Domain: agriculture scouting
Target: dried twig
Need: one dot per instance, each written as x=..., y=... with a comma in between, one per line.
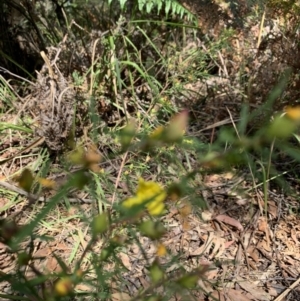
x=31, y=196
x=34, y=144
x=288, y=290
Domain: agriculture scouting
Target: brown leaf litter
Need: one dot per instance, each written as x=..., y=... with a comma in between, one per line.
x=250, y=255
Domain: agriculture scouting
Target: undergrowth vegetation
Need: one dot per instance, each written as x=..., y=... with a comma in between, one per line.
x=132, y=105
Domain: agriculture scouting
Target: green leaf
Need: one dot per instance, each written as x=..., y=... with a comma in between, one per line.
x=122, y=3
x=23, y=258
x=188, y=281
x=281, y=127
x=8, y=230
x=141, y=4
x=168, y=6
x=105, y=253
x=79, y=179
x=156, y=273
x=149, y=6
x=100, y=224
x=5, y=125
x=151, y=229
x=127, y=134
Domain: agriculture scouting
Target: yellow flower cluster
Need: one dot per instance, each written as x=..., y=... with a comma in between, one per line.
x=149, y=193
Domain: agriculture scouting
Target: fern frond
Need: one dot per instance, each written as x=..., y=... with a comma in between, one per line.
x=170, y=6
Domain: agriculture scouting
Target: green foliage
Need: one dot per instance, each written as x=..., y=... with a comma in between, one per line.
x=115, y=228
x=135, y=76
x=168, y=6
x=291, y=7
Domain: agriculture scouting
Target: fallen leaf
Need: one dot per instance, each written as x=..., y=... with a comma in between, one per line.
x=255, y=291
x=219, y=247
x=211, y=274
x=43, y=252
x=262, y=225
x=253, y=253
x=235, y=295
x=84, y=287
x=125, y=260
x=272, y=291
x=294, y=235
x=263, y=245
x=120, y=297
x=229, y=295
x=52, y=265
x=217, y=296
x=206, y=216
x=227, y=244
x=230, y=221
x=205, y=247
x=272, y=209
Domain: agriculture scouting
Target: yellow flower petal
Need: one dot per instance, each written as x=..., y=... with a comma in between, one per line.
x=47, y=183
x=161, y=250
x=128, y=203
x=293, y=113
x=156, y=208
x=149, y=193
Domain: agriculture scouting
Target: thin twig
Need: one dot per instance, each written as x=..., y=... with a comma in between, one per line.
x=119, y=177
x=223, y=63
x=34, y=144
x=261, y=27
x=48, y=63
x=288, y=290
x=233, y=123
x=17, y=76
x=31, y=196
x=216, y=124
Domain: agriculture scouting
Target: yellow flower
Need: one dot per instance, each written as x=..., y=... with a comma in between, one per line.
x=161, y=250
x=63, y=287
x=293, y=113
x=149, y=193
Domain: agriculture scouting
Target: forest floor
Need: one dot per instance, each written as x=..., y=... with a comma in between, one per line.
x=239, y=222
